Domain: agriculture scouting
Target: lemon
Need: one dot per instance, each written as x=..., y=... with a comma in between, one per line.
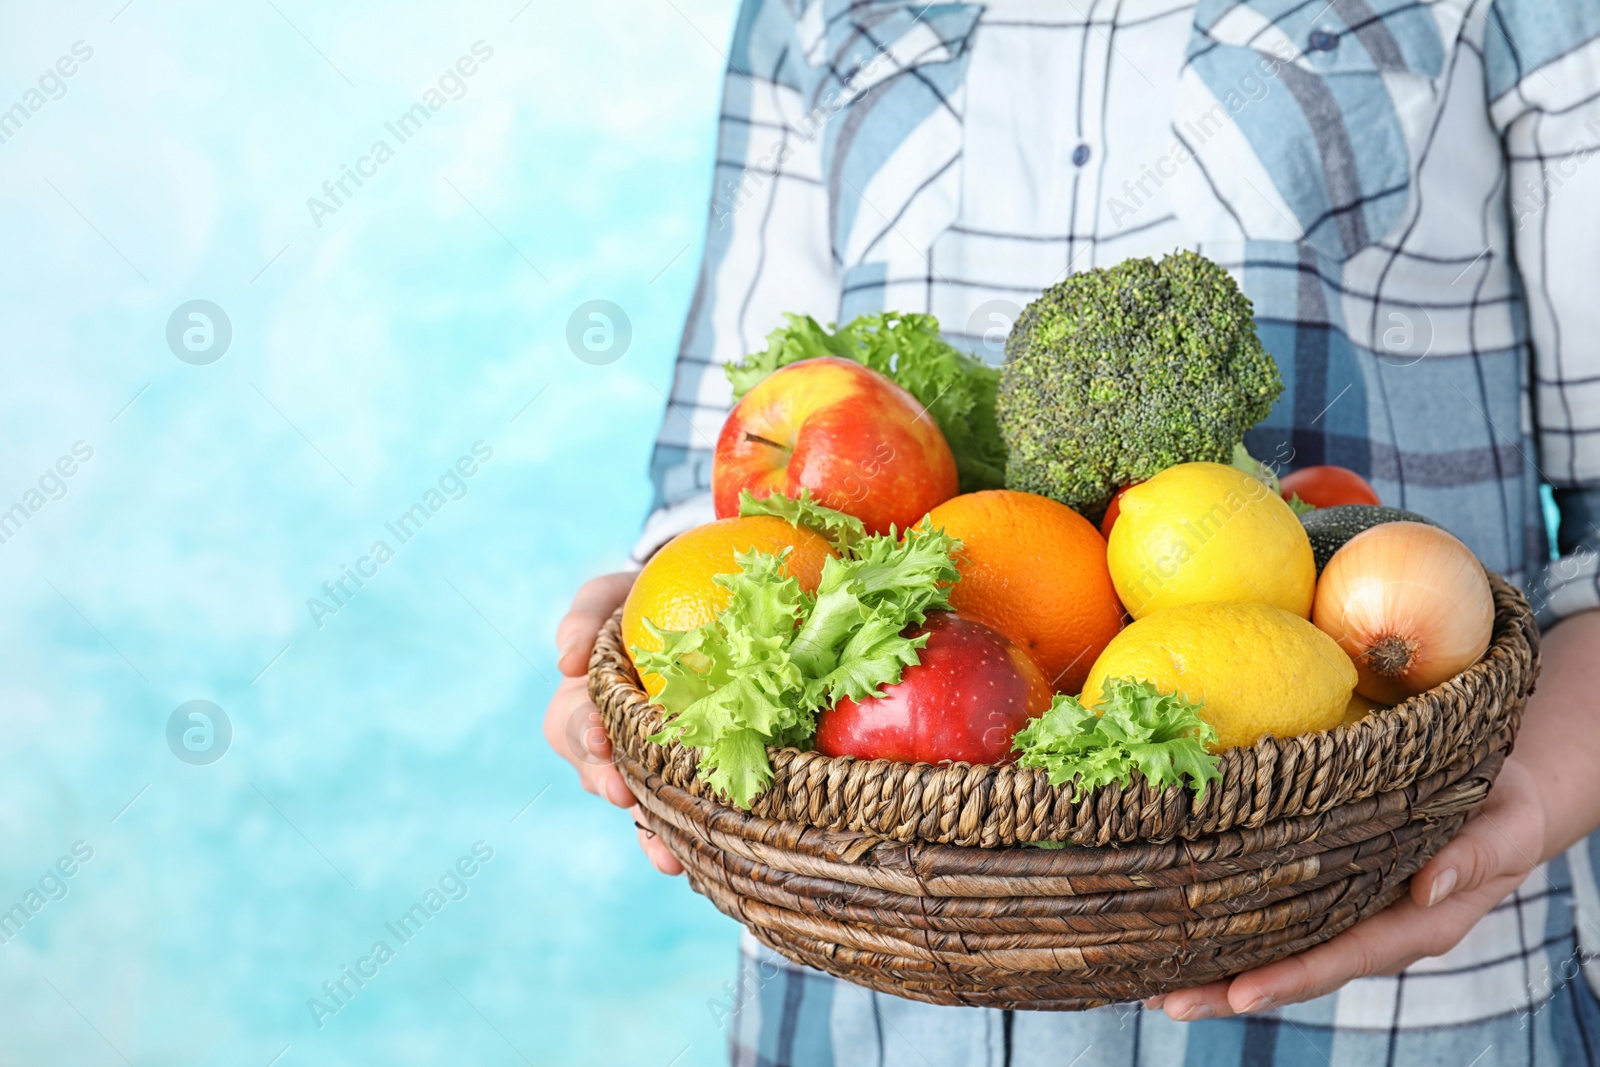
x=1203, y=532
x=1359, y=708
x=1256, y=669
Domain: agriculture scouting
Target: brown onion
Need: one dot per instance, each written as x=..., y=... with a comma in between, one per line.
x=1409, y=603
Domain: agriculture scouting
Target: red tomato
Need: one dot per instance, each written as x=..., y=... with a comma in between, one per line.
x=1327, y=487
x=1112, y=511
x=970, y=693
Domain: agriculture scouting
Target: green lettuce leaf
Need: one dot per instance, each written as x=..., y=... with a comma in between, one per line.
x=1135, y=727
x=758, y=674
x=1298, y=506
x=957, y=390
x=842, y=530
x=1243, y=460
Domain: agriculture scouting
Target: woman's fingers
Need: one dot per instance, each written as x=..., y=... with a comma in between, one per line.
x=654, y=848
x=1207, y=1001
x=572, y=723
x=593, y=604
x=1384, y=944
x=1494, y=852
x=572, y=727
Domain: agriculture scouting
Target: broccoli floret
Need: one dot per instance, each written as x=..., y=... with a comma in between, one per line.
x=1114, y=375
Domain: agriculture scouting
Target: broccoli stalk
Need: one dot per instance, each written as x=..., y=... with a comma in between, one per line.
x=1114, y=375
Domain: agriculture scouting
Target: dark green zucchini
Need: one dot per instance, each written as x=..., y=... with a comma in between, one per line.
x=1330, y=528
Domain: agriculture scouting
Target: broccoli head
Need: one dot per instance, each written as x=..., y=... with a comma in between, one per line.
x=1114, y=375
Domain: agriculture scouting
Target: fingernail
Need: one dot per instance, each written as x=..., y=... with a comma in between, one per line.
x=1258, y=1004
x=1154, y=1002
x=1443, y=885
x=1196, y=1013
x=566, y=650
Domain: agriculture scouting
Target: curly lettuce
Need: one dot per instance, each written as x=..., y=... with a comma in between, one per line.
x=841, y=530
x=1134, y=726
x=760, y=672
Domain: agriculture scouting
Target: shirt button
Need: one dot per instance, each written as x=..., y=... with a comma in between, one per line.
x=1080, y=155
x=1323, y=41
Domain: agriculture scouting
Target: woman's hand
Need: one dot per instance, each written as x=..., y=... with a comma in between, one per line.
x=1497, y=847
x=572, y=722
x=1543, y=801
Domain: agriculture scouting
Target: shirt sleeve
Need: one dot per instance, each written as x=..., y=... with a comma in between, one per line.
x=767, y=252
x=1542, y=62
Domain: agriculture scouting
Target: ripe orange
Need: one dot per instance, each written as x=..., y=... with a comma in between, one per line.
x=1036, y=571
x=675, y=590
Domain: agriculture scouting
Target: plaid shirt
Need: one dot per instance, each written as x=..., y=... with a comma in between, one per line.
x=1402, y=190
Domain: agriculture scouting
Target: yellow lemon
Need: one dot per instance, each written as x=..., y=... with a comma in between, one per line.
x=1359, y=708
x=1256, y=669
x=1201, y=532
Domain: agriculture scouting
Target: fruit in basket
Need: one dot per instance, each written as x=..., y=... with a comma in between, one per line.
x=1208, y=531
x=1359, y=708
x=1410, y=604
x=1114, y=375
x=957, y=389
x=963, y=703
x=1330, y=528
x=677, y=590
x=1327, y=486
x=859, y=442
x=1035, y=570
x=1255, y=669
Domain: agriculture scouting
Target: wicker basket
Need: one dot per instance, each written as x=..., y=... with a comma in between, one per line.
x=908, y=878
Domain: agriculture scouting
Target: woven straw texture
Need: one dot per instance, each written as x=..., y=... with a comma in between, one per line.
x=907, y=878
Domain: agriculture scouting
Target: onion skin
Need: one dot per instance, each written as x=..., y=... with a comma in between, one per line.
x=1410, y=605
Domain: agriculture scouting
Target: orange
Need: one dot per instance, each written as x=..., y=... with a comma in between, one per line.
x=1036, y=571
x=675, y=590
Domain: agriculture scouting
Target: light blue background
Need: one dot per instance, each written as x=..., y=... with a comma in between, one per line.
x=367, y=355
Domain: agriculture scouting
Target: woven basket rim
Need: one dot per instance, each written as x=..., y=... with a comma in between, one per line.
x=1005, y=805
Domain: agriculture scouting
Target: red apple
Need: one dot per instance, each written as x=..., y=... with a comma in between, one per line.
x=858, y=441
x=971, y=692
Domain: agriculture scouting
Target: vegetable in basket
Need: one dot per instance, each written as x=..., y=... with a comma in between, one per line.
x=1114, y=375
x=1133, y=726
x=1330, y=528
x=840, y=530
x=1410, y=604
x=758, y=674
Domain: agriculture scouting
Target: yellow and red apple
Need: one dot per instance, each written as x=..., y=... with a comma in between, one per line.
x=858, y=441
